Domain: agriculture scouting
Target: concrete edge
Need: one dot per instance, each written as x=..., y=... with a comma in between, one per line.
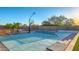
x=72, y=43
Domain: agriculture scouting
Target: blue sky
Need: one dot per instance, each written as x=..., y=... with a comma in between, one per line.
x=22, y=14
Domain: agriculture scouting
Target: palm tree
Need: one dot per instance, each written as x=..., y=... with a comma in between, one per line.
x=17, y=25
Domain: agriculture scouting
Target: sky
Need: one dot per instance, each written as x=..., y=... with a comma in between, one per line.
x=22, y=14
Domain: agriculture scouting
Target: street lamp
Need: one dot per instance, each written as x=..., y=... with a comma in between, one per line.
x=30, y=21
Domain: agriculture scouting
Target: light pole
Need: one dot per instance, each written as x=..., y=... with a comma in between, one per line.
x=30, y=21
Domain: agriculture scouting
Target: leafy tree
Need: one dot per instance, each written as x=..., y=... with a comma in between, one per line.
x=69, y=22
x=45, y=23
x=52, y=20
x=24, y=26
x=12, y=26
x=57, y=20
x=9, y=26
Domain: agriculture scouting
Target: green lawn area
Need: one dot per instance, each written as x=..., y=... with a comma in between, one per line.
x=76, y=47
